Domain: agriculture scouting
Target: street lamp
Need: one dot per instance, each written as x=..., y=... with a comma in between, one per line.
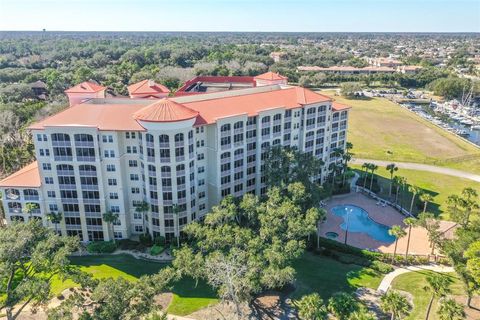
x=348, y=210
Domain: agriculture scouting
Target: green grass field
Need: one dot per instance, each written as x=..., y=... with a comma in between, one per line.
x=314, y=273
x=327, y=276
x=380, y=129
x=414, y=283
x=438, y=185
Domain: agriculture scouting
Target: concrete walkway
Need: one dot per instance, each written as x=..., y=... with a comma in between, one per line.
x=387, y=280
x=422, y=167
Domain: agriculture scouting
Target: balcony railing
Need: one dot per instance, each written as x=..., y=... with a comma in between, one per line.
x=164, y=145
x=180, y=158
x=164, y=160
x=150, y=159
x=89, y=187
x=61, y=143
x=31, y=197
x=89, y=144
x=225, y=133
x=166, y=174
x=150, y=144
x=88, y=173
x=67, y=186
x=85, y=158
x=225, y=160
x=63, y=158
x=226, y=146
x=179, y=143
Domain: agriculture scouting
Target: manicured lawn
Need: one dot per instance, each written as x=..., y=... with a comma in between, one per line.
x=326, y=276
x=438, y=185
x=380, y=129
x=186, y=298
x=414, y=283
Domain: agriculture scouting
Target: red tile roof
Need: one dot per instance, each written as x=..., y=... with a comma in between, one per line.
x=339, y=106
x=182, y=91
x=147, y=87
x=86, y=87
x=122, y=117
x=106, y=117
x=165, y=110
x=26, y=177
x=271, y=76
x=252, y=104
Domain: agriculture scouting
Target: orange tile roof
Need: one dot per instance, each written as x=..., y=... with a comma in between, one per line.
x=122, y=117
x=106, y=117
x=339, y=106
x=147, y=87
x=252, y=104
x=28, y=176
x=165, y=110
x=85, y=87
x=270, y=76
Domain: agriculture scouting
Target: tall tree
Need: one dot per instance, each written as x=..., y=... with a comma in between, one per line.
x=397, y=232
x=431, y=224
x=143, y=208
x=365, y=166
x=392, y=168
x=30, y=256
x=409, y=222
x=438, y=285
x=414, y=190
x=373, y=168
x=55, y=218
x=426, y=198
x=342, y=305
x=396, y=304
x=311, y=307
x=29, y=208
x=110, y=218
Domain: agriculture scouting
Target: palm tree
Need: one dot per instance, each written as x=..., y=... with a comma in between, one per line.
x=414, y=190
x=347, y=156
x=425, y=198
x=397, y=232
x=391, y=168
x=449, y=309
x=410, y=222
x=373, y=168
x=29, y=208
x=342, y=304
x=143, y=209
x=365, y=166
x=311, y=307
x=396, y=304
x=110, y=217
x=55, y=218
x=430, y=223
x=438, y=285
x=176, y=212
x=362, y=314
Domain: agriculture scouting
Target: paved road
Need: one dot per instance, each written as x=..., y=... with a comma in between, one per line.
x=387, y=280
x=422, y=167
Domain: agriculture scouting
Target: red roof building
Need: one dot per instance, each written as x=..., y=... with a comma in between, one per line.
x=148, y=89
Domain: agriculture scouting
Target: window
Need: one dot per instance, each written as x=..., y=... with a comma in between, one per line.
x=238, y=187
x=115, y=209
x=238, y=163
x=135, y=190
x=53, y=207
x=200, y=156
x=201, y=182
x=265, y=131
x=107, y=138
x=110, y=167
x=225, y=127
x=113, y=195
x=225, y=155
x=238, y=125
x=48, y=180
x=112, y=182
x=265, y=120
x=179, y=152
x=238, y=176
x=201, y=195
x=132, y=163
x=225, y=180
x=225, y=167
x=277, y=117
x=238, y=138
x=251, y=120
x=134, y=177
x=201, y=206
x=149, y=137
x=51, y=194
x=179, y=138
x=164, y=140
x=225, y=192
x=225, y=141
x=201, y=169
x=46, y=166
x=138, y=228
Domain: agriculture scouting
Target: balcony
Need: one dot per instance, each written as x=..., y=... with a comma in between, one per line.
x=15, y=210
x=89, y=144
x=70, y=200
x=67, y=186
x=277, y=134
x=265, y=136
x=164, y=160
x=225, y=173
x=29, y=197
x=61, y=144
x=164, y=188
x=277, y=122
x=180, y=158
x=164, y=145
x=89, y=187
x=73, y=226
x=238, y=156
x=179, y=143
x=63, y=158
x=65, y=172
x=310, y=126
x=238, y=131
x=180, y=173
x=191, y=155
x=166, y=174
x=150, y=159
x=94, y=228
x=225, y=160
x=88, y=173
x=239, y=143
x=152, y=173
x=181, y=186
x=251, y=152
x=251, y=126
x=226, y=146
x=225, y=133
x=86, y=158
x=91, y=201
x=150, y=144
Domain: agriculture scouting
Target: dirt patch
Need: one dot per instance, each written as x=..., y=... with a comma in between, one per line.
x=163, y=300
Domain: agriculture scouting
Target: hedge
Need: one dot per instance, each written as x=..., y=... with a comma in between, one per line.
x=101, y=247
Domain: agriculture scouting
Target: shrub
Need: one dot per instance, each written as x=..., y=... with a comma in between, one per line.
x=127, y=244
x=159, y=240
x=156, y=250
x=101, y=247
x=333, y=245
x=381, y=267
x=145, y=239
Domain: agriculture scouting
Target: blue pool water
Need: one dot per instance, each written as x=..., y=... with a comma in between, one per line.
x=359, y=221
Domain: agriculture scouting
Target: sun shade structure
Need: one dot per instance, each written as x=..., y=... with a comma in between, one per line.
x=165, y=110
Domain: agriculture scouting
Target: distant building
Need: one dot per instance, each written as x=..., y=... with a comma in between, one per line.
x=277, y=56
x=270, y=78
x=384, y=62
x=84, y=91
x=346, y=70
x=39, y=88
x=409, y=69
x=147, y=89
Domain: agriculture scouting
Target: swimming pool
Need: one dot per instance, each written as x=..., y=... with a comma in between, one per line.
x=359, y=221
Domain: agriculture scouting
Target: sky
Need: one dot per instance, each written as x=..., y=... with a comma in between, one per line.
x=242, y=15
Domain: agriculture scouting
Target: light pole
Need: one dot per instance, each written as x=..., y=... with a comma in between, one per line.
x=346, y=228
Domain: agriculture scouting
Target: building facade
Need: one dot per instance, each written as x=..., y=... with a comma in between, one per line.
x=180, y=155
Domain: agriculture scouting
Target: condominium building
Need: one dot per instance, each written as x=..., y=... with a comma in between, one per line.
x=181, y=155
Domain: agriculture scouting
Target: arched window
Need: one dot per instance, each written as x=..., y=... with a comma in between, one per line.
x=60, y=137
x=278, y=116
x=15, y=206
x=12, y=194
x=266, y=119
x=179, y=137
x=165, y=169
x=83, y=137
x=238, y=125
x=152, y=168
x=180, y=167
x=265, y=145
x=225, y=155
x=225, y=127
x=88, y=168
x=64, y=167
x=238, y=152
x=310, y=134
x=149, y=137
x=311, y=110
x=17, y=218
x=30, y=193
x=190, y=134
x=163, y=138
x=275, y=142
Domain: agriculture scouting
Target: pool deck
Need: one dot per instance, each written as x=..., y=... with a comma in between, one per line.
x=419, y=244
